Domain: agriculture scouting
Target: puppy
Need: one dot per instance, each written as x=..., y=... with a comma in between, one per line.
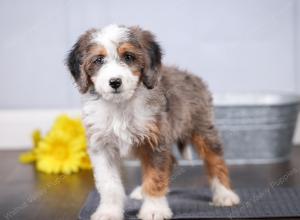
x=133, y=105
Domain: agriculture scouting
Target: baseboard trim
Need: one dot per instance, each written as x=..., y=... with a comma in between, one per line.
x=16, y=126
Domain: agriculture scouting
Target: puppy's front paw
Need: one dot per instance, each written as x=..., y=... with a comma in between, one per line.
x=107, y=213
x=226, y=198
x=155, y=214
x=155, y=209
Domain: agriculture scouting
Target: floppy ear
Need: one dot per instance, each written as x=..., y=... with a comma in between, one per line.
x=151, y=47
x=74, y=62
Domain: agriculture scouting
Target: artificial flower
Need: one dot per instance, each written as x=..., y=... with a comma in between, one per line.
x=62, y=150
x=30, y=156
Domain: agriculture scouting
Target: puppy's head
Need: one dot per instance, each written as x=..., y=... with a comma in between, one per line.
x=114, y=60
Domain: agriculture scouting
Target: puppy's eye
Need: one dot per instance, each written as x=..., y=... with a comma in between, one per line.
x=129, y=58
x=99, y=60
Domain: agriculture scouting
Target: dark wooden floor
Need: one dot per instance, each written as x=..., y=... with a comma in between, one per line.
x=27, y=194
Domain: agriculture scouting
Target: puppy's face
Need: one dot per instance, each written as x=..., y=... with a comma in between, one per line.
x=115, y=60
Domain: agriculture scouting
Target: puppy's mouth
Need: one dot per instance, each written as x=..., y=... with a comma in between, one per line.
x=118, y=95
x=116, y=91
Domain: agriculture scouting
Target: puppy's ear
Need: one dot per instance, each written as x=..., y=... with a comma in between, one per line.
x=75, y=60
x=153, y=57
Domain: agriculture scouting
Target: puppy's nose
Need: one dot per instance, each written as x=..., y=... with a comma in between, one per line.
x=115, y=83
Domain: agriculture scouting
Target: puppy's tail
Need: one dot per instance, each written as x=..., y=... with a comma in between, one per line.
x=185, y=150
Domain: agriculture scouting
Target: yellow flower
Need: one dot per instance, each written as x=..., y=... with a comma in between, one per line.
x=62, y=150
x=30, y=156
x=69, y=126
x=36, y=137
x=27, y=157
x=85, y=162
x=58, y=153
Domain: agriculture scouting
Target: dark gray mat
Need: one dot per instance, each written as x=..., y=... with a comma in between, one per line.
x=194, y=204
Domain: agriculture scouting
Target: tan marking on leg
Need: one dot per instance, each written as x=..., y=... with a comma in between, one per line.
x=214, y=162
x=156, y=171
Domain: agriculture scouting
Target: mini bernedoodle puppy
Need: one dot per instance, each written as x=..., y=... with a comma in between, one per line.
x=133, y=105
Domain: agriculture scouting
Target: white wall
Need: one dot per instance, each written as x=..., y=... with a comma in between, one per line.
x=236, y=45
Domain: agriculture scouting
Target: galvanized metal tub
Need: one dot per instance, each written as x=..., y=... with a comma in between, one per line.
x=256, y=128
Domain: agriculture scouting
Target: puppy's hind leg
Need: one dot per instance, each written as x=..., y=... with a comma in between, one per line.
x=208, y=146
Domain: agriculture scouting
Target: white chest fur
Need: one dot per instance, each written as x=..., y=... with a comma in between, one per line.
x=116, y=124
